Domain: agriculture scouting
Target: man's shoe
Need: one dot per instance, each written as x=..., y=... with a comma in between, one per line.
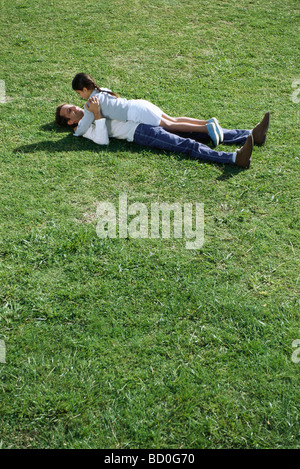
x=243, y=155
x=212, y=132
x=260, y=130
x=215, y=121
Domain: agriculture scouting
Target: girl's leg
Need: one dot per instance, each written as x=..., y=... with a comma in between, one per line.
x=181, y=126
x=189, y=120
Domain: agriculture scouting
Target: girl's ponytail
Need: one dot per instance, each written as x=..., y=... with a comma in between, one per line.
x=81, y=80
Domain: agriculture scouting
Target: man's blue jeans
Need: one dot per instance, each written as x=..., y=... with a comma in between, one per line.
x=231, y=137
x=159, y=138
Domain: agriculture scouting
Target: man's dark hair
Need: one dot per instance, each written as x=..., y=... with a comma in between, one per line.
x=60, y=120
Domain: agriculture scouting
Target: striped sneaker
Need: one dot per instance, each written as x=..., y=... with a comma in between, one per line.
x=215, y=121
x=213, y=134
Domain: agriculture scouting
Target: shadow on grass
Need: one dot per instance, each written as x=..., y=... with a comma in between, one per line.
x=69, y=143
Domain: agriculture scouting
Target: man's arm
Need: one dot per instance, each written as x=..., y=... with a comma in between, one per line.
x=94, y=107
x=84, y=123
x=97, y=131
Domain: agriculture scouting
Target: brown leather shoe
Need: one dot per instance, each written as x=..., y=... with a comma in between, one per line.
x=260, y=130
x=243, y=155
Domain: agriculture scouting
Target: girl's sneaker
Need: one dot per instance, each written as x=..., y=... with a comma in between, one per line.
x=218, y=127
x=213, y=134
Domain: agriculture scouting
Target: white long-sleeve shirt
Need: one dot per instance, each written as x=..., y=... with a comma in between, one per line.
x=111, y=107
x=135, y=110
x=102, y=129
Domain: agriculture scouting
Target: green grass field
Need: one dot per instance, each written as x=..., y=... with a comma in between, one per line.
x=142, y=343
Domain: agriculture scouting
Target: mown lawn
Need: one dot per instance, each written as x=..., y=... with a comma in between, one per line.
x=142, y=343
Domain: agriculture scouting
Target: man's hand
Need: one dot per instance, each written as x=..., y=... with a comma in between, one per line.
x=93, y=105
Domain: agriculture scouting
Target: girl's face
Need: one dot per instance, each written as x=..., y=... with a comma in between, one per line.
x=84, y=93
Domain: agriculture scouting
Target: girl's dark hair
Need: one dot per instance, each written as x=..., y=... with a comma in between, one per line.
x=81, y=80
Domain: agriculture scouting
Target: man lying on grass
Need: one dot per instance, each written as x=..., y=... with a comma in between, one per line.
x=157, y=137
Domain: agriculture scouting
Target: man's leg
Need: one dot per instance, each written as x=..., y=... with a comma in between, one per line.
x=159, y=138
x=231, y=137
x=237, y=136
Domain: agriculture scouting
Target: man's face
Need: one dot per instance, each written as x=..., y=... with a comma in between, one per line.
x=72, y=113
